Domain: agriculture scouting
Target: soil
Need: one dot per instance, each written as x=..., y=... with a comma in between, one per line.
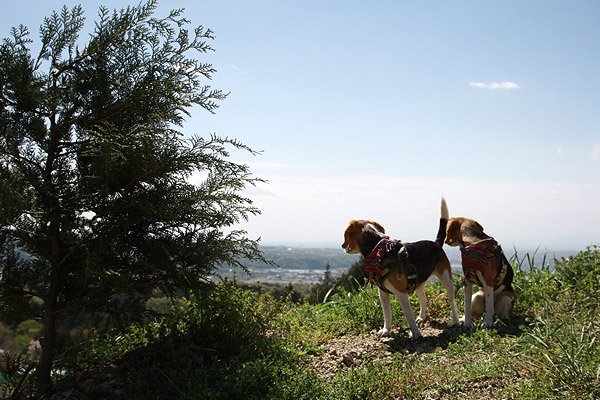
x=343, y=353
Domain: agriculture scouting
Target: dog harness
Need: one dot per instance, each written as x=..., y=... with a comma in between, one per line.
x=476, y=256
x=379, y=265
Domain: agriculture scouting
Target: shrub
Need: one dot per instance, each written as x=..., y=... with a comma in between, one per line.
x=580, y=274
x=564, y=339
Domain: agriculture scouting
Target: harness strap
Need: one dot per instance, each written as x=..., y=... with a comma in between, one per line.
x=379, y=270
x=405, y=268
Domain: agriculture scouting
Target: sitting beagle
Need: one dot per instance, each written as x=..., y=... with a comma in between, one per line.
x=485, y=265
x=401, y=268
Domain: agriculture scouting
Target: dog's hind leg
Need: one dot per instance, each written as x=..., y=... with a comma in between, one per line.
x=467, y=320
x=420, y=291
x=385, y=300
x=478, y=304
x=488, y=320
x=408, y=314
x=504, y=306
x=446, y=278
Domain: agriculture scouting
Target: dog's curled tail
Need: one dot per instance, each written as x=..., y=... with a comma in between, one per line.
x=441, y=235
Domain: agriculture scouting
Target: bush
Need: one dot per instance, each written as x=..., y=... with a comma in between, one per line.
x=564, y=339
x=580, y=275
x=222, y=344
x=531, y=282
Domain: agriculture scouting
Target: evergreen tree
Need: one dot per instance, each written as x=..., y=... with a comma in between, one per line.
x=95, y=196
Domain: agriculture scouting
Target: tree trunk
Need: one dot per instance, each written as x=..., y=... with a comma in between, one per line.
x=48, y=342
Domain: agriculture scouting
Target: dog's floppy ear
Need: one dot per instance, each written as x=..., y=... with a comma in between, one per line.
x=476, y=225
x=460, y=229
x=351, y=234
x=470, y=226
x=453, y=231
x=377, y=225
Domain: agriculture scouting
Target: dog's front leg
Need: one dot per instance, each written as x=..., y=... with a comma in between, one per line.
x=384, y=298
x=488, y=320
x=468, y=318
x=408, y=314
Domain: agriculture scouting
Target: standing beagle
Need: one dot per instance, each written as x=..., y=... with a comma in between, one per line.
x=401, y=268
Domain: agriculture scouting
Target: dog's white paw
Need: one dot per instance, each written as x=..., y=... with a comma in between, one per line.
x=487, y=324
x=383, y=332
x=415, y=336
x=420, y=320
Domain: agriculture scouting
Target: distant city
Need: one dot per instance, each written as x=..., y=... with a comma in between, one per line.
x=301, y=264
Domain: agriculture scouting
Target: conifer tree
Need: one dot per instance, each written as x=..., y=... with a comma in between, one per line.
x=95, y=195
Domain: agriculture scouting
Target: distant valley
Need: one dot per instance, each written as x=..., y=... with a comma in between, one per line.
x=307, y=265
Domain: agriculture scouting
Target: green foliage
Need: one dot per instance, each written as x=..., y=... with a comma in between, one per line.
x=351, y=281
x=580, y=275
x=374, y=382
x=7, y=338
x=558, y=355
x=563, y=342
x=233, y=343
x=95, y=190
x=15, y=377
x=303, y=325
x=531, y=282
x=221, y=318
x=323, y=288
x=568, y=354
x=28, y=331
x=361, y=308
x=221, y=345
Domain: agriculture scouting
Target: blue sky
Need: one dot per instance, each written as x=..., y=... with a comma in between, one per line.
x=375, y=109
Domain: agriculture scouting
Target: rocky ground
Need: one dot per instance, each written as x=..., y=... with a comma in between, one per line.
x=343, y=353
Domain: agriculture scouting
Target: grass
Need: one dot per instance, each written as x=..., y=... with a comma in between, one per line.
x=235, y=343
x=563, y=343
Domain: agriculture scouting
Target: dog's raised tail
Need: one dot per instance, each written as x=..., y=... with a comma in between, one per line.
x=441, y=235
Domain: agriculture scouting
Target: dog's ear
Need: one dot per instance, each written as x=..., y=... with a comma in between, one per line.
x=377, y=225
x=476, y=225
x=453, y=231
x=351, y=234
x=470, y=225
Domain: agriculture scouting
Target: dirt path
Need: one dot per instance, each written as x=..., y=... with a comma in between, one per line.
x=340, y=354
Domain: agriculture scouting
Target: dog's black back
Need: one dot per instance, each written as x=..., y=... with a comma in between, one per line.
x=424, y=255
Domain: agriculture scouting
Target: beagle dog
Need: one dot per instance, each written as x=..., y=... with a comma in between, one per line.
x=401, y=268
x=485, y=265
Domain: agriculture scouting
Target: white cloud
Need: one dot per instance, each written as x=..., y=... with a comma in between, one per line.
x=495, y=85
x=317, y=208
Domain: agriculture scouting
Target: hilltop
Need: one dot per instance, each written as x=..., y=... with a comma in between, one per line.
x=231, y=343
